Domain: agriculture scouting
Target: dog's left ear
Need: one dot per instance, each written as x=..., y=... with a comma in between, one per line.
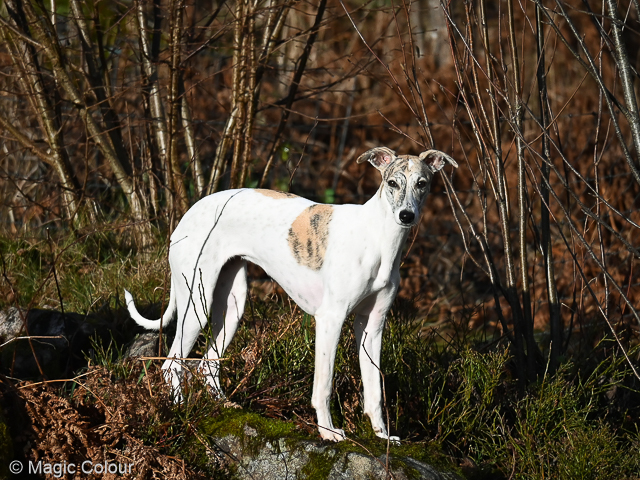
x=379, y=157
x=435, y=159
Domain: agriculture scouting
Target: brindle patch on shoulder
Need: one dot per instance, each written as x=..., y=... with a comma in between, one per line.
x=309, y=234
x=275, y=194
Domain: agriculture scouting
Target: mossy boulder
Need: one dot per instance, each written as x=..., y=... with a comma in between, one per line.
x=253, y=447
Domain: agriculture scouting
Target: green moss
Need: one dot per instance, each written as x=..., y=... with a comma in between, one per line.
x=319, y=466
x=231, y=421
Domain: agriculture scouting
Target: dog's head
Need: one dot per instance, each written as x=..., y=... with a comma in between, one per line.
x=406, y=179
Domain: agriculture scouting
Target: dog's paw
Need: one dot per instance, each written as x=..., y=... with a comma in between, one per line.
x=392, y=439
x=333, y=435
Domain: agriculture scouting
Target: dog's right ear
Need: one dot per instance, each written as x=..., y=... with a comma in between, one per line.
x=435, y=160
x=379, y=157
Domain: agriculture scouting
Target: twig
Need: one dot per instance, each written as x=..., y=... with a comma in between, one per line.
x=30, y=337
x=304, y=147
x=183, y=359
x=61, y=380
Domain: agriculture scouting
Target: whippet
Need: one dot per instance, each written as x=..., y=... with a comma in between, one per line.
x=332, y=260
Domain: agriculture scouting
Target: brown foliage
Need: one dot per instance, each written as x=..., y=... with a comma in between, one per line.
x=103, y=421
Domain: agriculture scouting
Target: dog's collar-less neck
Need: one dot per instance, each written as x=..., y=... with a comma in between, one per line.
x=386, y=224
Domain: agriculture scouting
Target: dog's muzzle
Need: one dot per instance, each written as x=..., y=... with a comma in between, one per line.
x=407, y=217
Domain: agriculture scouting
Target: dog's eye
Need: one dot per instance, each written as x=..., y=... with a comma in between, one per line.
x=421, y=184
x=392, y=184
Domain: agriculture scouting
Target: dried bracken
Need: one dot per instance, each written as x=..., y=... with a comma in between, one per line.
x=101, y=423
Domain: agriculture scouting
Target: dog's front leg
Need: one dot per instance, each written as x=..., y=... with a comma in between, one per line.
x=328, y=327
x=368, y=331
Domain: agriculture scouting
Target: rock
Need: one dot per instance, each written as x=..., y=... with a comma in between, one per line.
x=275, y=462
x=144, y=345
x=250, y=431
x=357, y=466
x=289, y=460
x=11, y=323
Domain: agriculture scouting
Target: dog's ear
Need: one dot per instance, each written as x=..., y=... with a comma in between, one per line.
x=435, y=159
x=379, y=157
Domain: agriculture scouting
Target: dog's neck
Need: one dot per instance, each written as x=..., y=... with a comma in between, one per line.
x=389, y=236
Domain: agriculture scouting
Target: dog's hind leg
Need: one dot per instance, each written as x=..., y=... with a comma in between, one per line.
x=230, y=294
x=193, y=298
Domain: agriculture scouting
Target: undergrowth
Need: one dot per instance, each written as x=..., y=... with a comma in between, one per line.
x=451, y=399
x=460, y=402
x=78, y=273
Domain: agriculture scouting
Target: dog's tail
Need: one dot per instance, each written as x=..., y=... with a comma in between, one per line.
x=151, y=324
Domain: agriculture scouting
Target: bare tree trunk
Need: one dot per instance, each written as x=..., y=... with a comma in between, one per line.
x=149, y=50
x=180, y=195
x=555, y=321
x=516, y=115
x=242, y=42
x=502, y=199
x=190, y=141
x=626, y=76
x=234, y=123
x=249, y=104
x=435, y=33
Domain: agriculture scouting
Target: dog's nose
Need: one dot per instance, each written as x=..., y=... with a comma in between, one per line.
x=407, y=217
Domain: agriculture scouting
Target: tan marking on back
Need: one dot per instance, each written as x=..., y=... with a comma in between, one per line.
x=309, y=235
x=275, y=194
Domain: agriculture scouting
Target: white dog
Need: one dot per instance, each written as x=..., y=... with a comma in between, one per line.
x=332, y=260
